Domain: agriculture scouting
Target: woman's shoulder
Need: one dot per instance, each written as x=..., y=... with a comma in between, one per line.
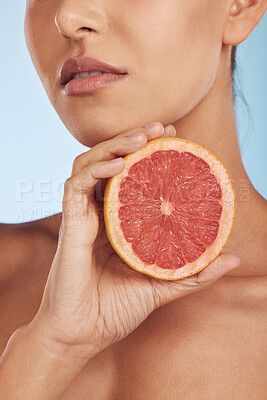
x=26, y=254
x=26, y=244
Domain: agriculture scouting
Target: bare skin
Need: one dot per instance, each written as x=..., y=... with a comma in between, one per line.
x=207, y=345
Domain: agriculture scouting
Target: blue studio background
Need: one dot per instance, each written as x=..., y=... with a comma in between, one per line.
x=37, y=151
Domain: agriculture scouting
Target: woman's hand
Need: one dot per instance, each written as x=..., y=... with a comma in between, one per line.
x=92, y=298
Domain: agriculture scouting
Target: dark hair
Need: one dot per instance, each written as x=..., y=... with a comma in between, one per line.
x=233, y=60
x=241, y=104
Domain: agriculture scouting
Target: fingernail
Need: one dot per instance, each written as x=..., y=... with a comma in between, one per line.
x=153, y=125
x=235, y=261
x=169, y=126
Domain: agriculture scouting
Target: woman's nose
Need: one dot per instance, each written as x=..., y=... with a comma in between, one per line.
x=75, y=18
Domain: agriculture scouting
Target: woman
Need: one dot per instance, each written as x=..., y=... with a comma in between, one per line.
x=79, y=323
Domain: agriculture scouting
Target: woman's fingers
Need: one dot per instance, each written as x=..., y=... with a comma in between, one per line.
x=219, y=267
x=166, y=291
x=120, y=145
x=79, y=189
x=169, y=131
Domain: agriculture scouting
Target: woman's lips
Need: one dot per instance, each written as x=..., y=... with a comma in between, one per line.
x=90, y=84
x=85, y=64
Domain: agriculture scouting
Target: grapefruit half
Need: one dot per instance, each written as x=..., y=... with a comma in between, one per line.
x=171, y=210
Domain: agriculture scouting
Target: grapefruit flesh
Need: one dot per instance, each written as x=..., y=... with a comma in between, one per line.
x=170, y=212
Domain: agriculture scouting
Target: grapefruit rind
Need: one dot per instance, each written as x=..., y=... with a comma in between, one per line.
x=112, y=205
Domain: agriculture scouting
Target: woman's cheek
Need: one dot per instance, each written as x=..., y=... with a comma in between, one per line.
x=41, y=43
